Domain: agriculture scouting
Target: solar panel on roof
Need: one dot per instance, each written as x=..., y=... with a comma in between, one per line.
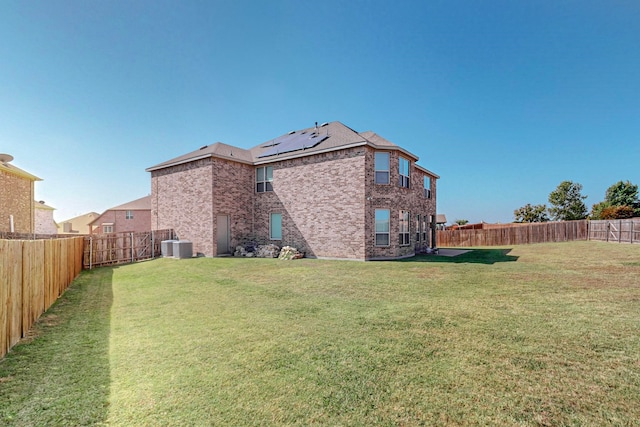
x=294, y=142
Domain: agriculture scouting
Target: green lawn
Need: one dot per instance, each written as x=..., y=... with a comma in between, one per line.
x=545, y=334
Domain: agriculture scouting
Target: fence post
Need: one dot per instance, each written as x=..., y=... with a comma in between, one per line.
x=619, y=230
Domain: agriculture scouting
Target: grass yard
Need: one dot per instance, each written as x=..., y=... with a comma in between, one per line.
x=545, y=334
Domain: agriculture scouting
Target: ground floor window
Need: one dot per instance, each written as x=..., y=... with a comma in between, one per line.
x=418, y=228
x=382, y=227
x=403, y=227
x=107, y=228
x=424, y=228
x=275, y=226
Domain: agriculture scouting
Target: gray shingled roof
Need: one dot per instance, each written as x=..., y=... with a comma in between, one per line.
x=338, y=136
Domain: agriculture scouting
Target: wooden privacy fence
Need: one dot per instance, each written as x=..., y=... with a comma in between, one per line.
x=615, y=230
x=33, y=274
x=515, y=234
x=123, y=248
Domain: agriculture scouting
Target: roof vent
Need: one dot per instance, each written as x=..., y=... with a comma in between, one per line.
x=324, y=124
x=291, y=132
x=6, y=158
x=203, y=147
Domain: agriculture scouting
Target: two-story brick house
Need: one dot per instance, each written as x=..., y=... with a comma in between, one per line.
x=17, y=192
x=328, y=190
x=134, y=216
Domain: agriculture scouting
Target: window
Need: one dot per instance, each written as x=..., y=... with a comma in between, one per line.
x=275, y=226
x=107, y=228
x=424, y=228
x=382, y=168
x=404, y=172
x=128, y=215
x=264, y=179
x=382, y=227
x=403, y=227
x=418, y=229
x=427, y=187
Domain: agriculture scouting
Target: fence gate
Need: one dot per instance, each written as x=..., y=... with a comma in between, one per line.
x=122, y=248
x=615, y=230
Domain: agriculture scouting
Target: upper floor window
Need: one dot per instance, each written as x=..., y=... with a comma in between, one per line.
x=427, y=187
x=264, y=179
x=128, y=215
x=382, y=167
x=382, y=227
x=404, y=172
x=403, y=228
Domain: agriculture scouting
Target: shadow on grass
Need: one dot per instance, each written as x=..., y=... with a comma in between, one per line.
x=59, y=374
x=474, y=256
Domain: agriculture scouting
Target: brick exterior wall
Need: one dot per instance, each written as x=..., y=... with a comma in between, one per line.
x=233, y=196
x=141, y=221
x=189, y=198
x=44, y=223
x=395, y=198
x=321, y=199
x=182, y=199
x=327, y=202
x=16, y=198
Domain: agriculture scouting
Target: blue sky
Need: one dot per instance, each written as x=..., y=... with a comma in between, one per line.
x=503, y=99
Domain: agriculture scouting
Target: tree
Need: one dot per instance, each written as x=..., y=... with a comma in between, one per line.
x=530, y=213
x=598, y=209
x=567, y=202
x=622, y=194
x=617, y=212
x=461, y=221
x=620, y=199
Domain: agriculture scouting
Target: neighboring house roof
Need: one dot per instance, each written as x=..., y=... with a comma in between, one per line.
x=141, y=204
x=81, y=223
x=40, y=205
x=441, y=219
x=305, y=142
x=9, y=168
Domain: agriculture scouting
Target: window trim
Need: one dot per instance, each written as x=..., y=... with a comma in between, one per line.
x=271, y=224
x=265, y=183
x=377, y=171
x=404, y=180
x=382, y=233
x=427, y=188
x=404, y=228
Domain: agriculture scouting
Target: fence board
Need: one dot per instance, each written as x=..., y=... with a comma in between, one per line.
x=514, y=234
x=123, y=248
x=615, y=230
x=32, y=276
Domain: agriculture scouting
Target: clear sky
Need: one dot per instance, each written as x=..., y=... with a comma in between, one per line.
x=503, y=99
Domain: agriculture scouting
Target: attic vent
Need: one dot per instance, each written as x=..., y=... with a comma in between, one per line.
x=324, y=124
x=203, y=147
x=291, y=132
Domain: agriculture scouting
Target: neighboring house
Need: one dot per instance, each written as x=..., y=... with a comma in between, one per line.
x=44, y=219
x=78, y=224
x=17, y=189
x=441, y=221
x=328, y=191
x=132, y=217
